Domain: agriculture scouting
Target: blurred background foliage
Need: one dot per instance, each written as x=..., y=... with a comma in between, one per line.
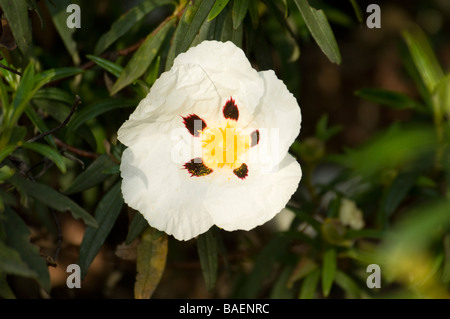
x=373, y=149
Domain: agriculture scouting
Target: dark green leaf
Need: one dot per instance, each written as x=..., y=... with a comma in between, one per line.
x=5, y=290
x=281, y=289
x=126, y=21
x=40, y=125
x=143, y=57
x=309, y=285
x=137, y=226
x=350, y=287
x=59, y=15
x=6, y=151
x=217, y=8
x=240, y=8
x=94, y=110
x=398, y=190
x=320, y=29
x=328, y=270
x=193, y=18
x=16, y=13
x=228, y=33
x=109, y=66
x=253, y=11
x=93, y=175
x=150, y=262
x=23, y=94
x=106, y=213
x=48, y=152
x=12, y=263
x=208, y=253
x=17, y=237
x=53, y=199
x=55, y=74
x=358, y=11
x=54, y=94
x=393, y=99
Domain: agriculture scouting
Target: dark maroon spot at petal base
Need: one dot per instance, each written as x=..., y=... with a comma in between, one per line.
x=254, y=138
x=230, y=110
x=241, y=171
x=194, y=124
x=196, y=168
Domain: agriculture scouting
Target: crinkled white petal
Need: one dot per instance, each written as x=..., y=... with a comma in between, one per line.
x=229, y=70
x=162, y=190
x=278, y=120
x=244, y=204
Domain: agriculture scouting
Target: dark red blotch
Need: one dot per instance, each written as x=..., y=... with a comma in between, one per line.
x=190, y=122
x=230, y=110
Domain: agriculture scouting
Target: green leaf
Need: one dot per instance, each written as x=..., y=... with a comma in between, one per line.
x=253, y=11
x=53, y=199
x=12, y=263
x=398, y=191
x=106, y=213
x=93, y=175
x=350, y=287
x=47, y=76
x=94, y=110
x=424, y=58
x=320, y=29
x=357, y=9
x=137, y=226
x=23, y=94
x=393, y=99
x=208, y=254
x=190, y=23
x=150, y=262
x=54, y=94
x=228, y=33
x=17, y=237
x=109, y=66
x=309, y=285
x=328, y=270
x=16, y=13
x=441, y=96
x=39, y=123
x=59, y=15
x=5, y=290
x=281, y=289
x=217, y=8
x=127, y=21
x=143, y=57
x=239, y=11
x=48, y=152
x=6, y=151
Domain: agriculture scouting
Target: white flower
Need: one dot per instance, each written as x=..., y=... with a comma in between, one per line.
x=209, y=145
x=350, y=214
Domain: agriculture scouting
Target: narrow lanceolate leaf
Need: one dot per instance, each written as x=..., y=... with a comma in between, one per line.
x=320, y=29
x=328, y=270
x=143, y=57
x=16, y=13
x=23, y=94
x=150, y=262
x=392, y=99
x=208, y=253
x=93, y=175
x=54, y=199
x=239, y=12
x=193, y=18
x=58, y=11
x=424, y=58
x=398, y=191
x=17, y=237
x=217, y=8
x=106, y=213
x=441, y=96
x=309, y=285
x=55, y=74
x=109, y=66
x=127, y=21
x=12, y=263
x=137, y=226
x=48, y=152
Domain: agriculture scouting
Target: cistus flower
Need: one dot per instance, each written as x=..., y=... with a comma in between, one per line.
x=209, y=145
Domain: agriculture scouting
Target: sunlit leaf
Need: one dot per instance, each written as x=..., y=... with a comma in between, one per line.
x=23, y=94
x=320, y=29
x=150, y=263
x=106, y=213
x=208, y=254
x=143, y=57
x=329, y=267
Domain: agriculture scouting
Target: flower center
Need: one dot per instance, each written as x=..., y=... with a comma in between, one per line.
x=225, y=145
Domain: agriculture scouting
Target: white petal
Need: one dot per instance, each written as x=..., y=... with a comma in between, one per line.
x=245, y=204
x=278, y=120
x=182, y=91
x=162, y=190
x=229, y=70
